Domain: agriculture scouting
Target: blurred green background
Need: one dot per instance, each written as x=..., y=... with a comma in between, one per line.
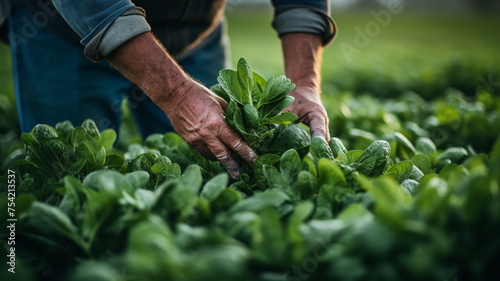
x=421, y=51
x=425, y=50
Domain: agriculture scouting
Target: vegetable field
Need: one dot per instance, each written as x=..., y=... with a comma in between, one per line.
x=407, y=188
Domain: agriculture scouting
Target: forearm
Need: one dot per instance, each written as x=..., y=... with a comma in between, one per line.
x=302, y=54
x=147, y=64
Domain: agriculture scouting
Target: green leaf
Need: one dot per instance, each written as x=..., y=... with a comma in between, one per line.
x=272, y=248
x=238, y=122
x=308, y=165
x=192, y=178
x=230, y=112
x=108, y=138
x=71, y=202
x=265, y=93
x=410, y=186
x=258, y=168
x=292, y=136
x=79, y=136
x=495, y=161
x=152, y=251
x=64, y=129
x=251, y=115
x=274, y=177
x=290, y=166
x=258, y=85
x=281, y=87
x=454, y=154
x=244, y=226
x=405, y=148
x=425, y=146
x=401, y=171
x=160, y=172
x=337, y=147
x=91, y=128
x=57, y=154
x=30, y=140
x=273, y=109
x=390, y=199
x=268, y=198
x=137, y=179
x=320, y=149
x=100, y=158
x=26, y=166
x=141, y=163
x=245, y=77
x=217, y=89
x=76, y=167
x=306, y=184
x=353, y=155
x=99, y=206
x=329, y=173
x=215, y=186
x=83, y=152
x=225, y=200
x=366, y=167
x=174, y=198
x=109, y=180
x=353, y=213
x=362, y=138
x=49, y=220
x=375, y=158
x=422, y=162
x=416, y=174
x=303, y=210
x=228, y=79
x=43, y=132
x=113, y=161
x=145, y=197
x=283, y=118
x=325, y=202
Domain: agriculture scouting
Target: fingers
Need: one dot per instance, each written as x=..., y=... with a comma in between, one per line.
x=223, y=154
x=319, y=127
x=203, y=150
x=238, y=145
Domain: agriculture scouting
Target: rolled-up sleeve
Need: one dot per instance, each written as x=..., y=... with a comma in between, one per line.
x=304, y=16
x=103, y=25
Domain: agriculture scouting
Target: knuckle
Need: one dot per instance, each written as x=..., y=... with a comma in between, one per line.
x=237, y=144
x=205, y=133
x=221, y=157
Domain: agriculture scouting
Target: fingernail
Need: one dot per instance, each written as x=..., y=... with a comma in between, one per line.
x=252, y=156
x=233, y=171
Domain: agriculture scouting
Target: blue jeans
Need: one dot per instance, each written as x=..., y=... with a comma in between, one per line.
x=54, y=82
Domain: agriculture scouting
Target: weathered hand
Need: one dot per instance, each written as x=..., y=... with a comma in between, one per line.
x=197, y=115
x=308, y=107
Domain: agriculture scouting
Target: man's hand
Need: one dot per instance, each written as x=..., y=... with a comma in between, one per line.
x=308, y=107
x=195, y=112
x=197, y=115
x=302, y=53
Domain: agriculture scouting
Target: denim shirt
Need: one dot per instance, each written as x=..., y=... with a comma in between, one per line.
x=180, y=25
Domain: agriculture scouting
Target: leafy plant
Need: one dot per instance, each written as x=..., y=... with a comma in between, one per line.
x=255, y=108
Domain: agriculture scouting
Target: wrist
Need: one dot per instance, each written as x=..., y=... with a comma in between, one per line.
x=174, y=92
